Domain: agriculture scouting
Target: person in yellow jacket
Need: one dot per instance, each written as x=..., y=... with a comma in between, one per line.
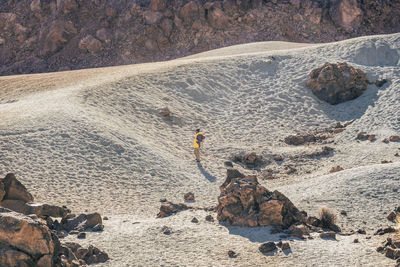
x=198, y=138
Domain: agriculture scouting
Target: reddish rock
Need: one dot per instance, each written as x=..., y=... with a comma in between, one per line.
x=364, y=136
x=189, y=196
x=7, y=20
x=152, y=17
x=217, y=18
x=392, y=216
x=59, y=33
x=299, y=230
x=335, y=169
x=347, y=14
x=15, y=190
x=337, y=83
x=189, y=12
x=13, y=257
x=27, y=235
x=285, y=246
x=169, y=208
x=244, y=202
x=15, y=205
x=158, y=5
x=90, y=44
x=66, y=6
x=394, y=138
x=35, y=6
x=328, y=235
x=2, y=190
x=81, y=222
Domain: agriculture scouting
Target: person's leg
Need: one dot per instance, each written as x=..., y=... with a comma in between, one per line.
x=197, y=153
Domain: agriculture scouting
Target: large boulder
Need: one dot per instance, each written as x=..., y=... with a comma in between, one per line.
x=25, y=234
x=244, y=202
x=15, y=190
x=13, y=257
x=337, y=83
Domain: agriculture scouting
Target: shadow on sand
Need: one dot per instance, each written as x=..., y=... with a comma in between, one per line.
x=205, y=173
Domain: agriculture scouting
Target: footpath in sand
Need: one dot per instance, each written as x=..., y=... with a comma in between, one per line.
x=94, y=140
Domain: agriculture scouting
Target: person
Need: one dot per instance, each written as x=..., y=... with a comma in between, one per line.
x=198, y=138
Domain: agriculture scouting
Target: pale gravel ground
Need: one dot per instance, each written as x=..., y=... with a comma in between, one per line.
x=93, y=139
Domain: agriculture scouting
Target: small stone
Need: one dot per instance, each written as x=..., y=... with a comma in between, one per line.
x=228, y=164
x=194, y=220
x=166, y=230
x=391, y=216
x=285, y=246
x=267, y=247
x=278, y=158
x=105, y=218
x=232, y=254
x=361, y=231
x=356, y=240
x=82, y=235
x=74, y=232
x=368, y=237
x=189, y=196
x=163, y=200
x=209, y=218
x=343, y=212
x=379, y=249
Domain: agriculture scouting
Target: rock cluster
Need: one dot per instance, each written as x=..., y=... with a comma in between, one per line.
x=249, y=160
x=30, y=237
x=15, y=196
x=27, y=241
x=337, y=83
x=393, y=138
x=69, y=34
x=363, y=136
x=394, y=214
x=391, y=249
x=244, y=202
x=273, y=246
x=168, y=208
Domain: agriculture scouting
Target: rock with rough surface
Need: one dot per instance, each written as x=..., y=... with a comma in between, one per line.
x=81, y=222
x=337, y=83
x=15, y=190
x=27, y=235
x=56, y=36
x=267, y=247
x=169, y=208
x=90, y=44
x=244, y=202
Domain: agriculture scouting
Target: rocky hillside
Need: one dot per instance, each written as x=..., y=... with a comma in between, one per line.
x=54, y=35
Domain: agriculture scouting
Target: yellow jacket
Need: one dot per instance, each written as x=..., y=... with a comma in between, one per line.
x=197, y=144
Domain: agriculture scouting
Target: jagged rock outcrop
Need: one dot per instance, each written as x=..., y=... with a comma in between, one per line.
x=45, y=36
x=15, y=196
x=244, y=202
x=24, y=239
x=337, y=83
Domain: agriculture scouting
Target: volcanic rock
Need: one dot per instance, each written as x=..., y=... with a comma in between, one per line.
x=189, y=196
x=59, y=33
x=15, y=190
x=169, y=208
x=337, y=83
x=90, y=44
x=267, y=247
x=244, y=202
x=81, y=222
x=27, y=235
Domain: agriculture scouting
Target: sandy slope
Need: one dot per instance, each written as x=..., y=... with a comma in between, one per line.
x=93, y=139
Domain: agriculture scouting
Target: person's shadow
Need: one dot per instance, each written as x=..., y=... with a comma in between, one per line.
x=205, y=173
